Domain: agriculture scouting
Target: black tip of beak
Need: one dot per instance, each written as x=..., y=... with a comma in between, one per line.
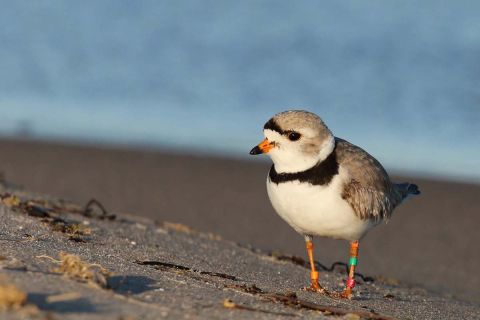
x=255, y=150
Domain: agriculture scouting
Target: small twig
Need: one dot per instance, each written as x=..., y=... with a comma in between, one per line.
x=90, y=204
x=96, y=265
x=43, y=256
x=87, y=211
x=343, y=264
x=63, y=297
x=301, y=262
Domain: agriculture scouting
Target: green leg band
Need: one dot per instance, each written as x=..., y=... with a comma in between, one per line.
x=353, y=261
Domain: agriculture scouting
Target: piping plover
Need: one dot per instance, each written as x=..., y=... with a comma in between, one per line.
x=325, y=186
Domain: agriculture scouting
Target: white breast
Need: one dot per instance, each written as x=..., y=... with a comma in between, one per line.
x=317, y=210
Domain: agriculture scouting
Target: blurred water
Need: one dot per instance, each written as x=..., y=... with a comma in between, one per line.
x=401, y=79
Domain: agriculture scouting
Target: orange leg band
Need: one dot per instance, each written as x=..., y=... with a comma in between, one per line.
x=313, y=272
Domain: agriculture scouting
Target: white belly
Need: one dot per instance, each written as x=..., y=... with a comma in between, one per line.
x=317, y=210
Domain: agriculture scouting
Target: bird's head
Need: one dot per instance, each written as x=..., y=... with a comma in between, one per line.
x=295, y=141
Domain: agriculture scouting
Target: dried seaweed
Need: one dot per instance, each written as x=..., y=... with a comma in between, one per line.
x=166, y=265
x=35, y=210
x=302, y=262
x=14, y=299
x=11, y=298
x=73, y=267
x=291, y=300
x=76, y=231
x=9, y=200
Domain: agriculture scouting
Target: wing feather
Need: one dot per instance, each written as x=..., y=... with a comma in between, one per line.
x=368, y=189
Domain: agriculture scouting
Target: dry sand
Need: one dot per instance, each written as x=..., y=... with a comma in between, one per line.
x=432, y=240
x=61, y=262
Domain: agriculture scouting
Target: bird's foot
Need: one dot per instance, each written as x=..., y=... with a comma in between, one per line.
x=315, y=287
x=345, y=294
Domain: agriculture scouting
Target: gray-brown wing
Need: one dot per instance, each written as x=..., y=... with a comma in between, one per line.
x=368, y=190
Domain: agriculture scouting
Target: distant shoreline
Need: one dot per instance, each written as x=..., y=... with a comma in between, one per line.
x=196, y=152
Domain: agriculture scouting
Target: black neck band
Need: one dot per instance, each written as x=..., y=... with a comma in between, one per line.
x=320, y=174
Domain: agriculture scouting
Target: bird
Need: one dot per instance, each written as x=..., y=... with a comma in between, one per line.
x=324, y=186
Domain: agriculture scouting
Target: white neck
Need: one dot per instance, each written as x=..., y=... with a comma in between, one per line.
x=286, y=162
x=326, y=148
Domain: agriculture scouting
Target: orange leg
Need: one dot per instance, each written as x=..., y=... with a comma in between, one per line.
x=347, y=293
x=315, y=286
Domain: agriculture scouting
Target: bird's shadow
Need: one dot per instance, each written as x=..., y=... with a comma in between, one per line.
x=124, y=285
x=130, y=284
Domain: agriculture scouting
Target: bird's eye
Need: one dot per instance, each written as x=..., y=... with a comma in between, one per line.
x=294, y=136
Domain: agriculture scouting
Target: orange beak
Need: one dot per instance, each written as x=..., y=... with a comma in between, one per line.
x=264, y=147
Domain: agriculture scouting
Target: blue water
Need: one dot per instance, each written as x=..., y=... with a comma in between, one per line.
x=401, y=79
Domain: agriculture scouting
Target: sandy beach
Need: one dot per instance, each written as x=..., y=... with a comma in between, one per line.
x=431, y=240
x=61, y=261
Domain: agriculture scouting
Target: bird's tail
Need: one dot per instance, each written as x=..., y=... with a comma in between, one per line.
x=407, y=189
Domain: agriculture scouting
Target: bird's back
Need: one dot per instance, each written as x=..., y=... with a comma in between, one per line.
x=368, y=188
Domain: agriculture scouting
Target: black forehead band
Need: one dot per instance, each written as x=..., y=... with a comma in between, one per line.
x=272, y=125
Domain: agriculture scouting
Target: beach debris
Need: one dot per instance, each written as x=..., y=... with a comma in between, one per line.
x=36, y=211
x=95, y=209
x=14, y=299
x=69, y=296
x=40, y=209
x=159, y=265
x=227, y=303
x=72, y=266
x=11, y=297
x=76, y=231
x=336, y=266
x=288, y=299
x=180, y=227
x=291, y=299
x=10, y=200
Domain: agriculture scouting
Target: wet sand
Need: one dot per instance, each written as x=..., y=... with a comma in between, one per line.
x=431, y=240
